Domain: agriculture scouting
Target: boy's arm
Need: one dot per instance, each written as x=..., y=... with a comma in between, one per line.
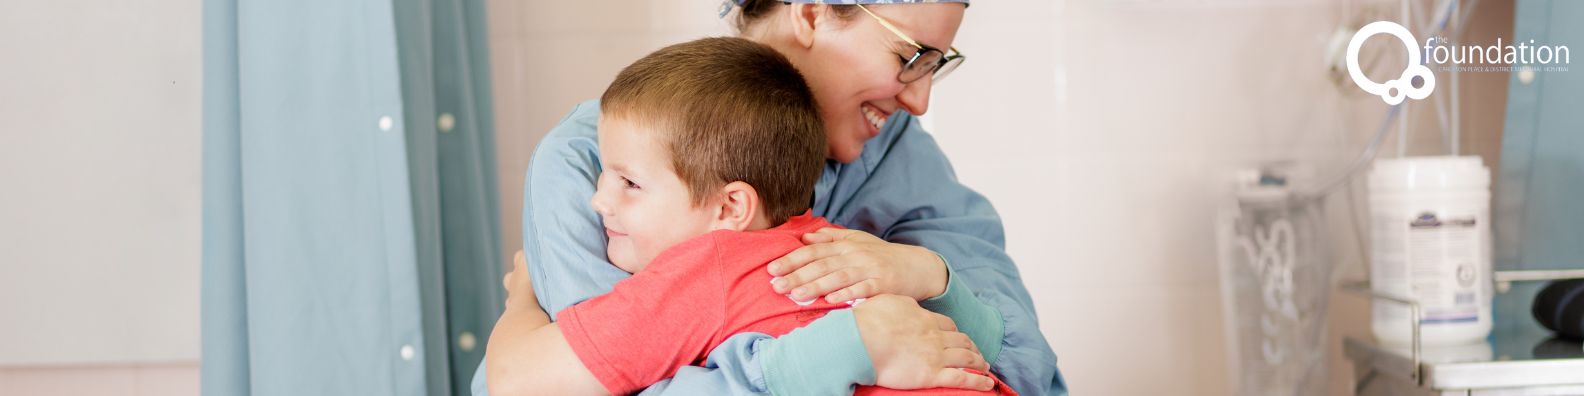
x=648, y=327
x=540, y=361
x=550, y=366
x=533, y=342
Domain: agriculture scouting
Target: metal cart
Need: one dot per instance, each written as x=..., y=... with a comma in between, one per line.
x=1519, y=357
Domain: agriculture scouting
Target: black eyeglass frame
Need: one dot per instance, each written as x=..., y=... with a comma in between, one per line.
x=913, y=68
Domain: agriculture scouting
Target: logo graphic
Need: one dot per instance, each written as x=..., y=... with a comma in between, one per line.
x=1391, y=91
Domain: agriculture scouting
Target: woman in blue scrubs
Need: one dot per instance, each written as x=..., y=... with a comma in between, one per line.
x=914, y=230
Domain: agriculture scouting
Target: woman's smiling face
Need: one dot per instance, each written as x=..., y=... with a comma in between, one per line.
x=852, y=65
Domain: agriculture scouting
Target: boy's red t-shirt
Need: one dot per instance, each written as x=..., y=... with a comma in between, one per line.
x=689, y=300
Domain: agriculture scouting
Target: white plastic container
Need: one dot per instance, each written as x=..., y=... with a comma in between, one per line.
x=1430, y=235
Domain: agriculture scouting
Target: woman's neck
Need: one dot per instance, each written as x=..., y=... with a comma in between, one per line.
x=770, y=33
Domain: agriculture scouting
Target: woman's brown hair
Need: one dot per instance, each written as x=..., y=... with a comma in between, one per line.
x=751, y=12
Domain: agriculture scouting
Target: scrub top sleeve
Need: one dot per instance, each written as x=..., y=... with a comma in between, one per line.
x=980, y=322
x=826, y=357
x=731, y=369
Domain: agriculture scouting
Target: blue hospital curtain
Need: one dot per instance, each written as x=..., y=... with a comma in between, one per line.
x=1535, y=212
x=350, y=217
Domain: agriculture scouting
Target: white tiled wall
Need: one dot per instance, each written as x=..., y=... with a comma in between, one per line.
x=100, y=149
x=1106, y=133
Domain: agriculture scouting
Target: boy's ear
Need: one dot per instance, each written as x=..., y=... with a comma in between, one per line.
x=739, y=207
x=803, y=17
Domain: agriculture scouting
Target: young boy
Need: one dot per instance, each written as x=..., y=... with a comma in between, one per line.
x=709, y=153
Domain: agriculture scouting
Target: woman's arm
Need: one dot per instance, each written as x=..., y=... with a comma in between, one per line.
x=960, y=224
x=856, y=264
x=903, y=190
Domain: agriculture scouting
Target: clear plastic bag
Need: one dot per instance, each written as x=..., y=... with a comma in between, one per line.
x=1275, y=283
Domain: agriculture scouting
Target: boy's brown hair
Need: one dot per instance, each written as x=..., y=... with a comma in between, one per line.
x=729, y=110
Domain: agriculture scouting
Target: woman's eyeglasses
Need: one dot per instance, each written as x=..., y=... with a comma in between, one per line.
x=926, y=61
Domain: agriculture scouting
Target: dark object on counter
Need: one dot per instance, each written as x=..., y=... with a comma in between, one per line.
x=1558, y=348
x=1560, y=307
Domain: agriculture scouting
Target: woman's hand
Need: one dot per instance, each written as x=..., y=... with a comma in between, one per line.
x=913, y=348
x=844, y=265
x=519, y=291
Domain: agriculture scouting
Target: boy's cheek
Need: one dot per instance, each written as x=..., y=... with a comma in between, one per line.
x=622, y=255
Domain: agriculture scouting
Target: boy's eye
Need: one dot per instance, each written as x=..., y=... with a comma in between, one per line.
x=629, y=183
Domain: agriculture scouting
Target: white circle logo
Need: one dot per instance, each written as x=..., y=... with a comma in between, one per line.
x=1391, y=91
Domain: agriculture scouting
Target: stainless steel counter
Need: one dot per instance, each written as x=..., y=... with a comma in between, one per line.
x=1519, y=358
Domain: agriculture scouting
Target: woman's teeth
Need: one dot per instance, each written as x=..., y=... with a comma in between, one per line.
x=873, y=116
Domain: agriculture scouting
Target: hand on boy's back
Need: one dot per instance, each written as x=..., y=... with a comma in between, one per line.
x=845, y=265
x=913, y=348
